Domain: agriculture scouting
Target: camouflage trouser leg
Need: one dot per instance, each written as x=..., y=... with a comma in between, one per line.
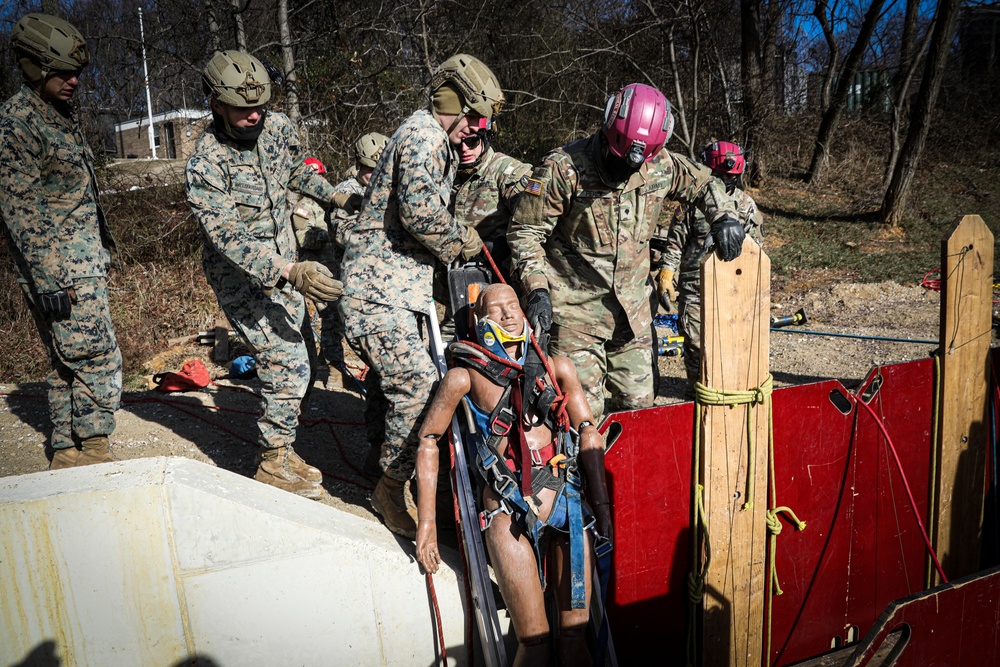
x=271, y=327
x=376, y=406
x=407, y=374
x=619, y=371
x=85, y=385
x=689, y=326
x=332, y=336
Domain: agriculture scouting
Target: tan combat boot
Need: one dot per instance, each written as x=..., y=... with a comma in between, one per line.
x=64, y=458
x=95, y=450
x=273, y=469
x=303, y=469
x=389, y=502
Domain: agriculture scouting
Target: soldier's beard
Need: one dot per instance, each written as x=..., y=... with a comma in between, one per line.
x=245, y=136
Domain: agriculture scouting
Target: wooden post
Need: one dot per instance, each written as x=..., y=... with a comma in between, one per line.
x=736, y=303
x=220, y=354
x=966, y=333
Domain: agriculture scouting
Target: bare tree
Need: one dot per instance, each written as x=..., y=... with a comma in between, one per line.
x=288, y=62
x=754, y=106
x=845, y=81
x=894, y=203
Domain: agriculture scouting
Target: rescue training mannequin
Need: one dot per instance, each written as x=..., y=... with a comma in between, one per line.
x=536, y=519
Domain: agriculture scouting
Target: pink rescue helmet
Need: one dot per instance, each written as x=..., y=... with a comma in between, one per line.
x=724, y=157
x=637, y=123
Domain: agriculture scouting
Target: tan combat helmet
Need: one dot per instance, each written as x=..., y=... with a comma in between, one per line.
x=368, y=148
x=50, y=44
x=479, y=87
x=237, y=79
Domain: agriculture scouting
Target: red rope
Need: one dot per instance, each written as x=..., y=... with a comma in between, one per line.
x=437, y=619
x=929, y=283
x=909, y=492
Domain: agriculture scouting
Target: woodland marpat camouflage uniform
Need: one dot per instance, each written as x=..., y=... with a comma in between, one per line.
x=59, y=239
x=239, y=198
x=376, y=406
x=485, y=198
x=587, y=242
x=404, y=228
x=687, y=238
x=309, y=222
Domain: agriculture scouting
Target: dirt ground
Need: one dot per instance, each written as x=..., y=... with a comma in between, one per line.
x=217, y=425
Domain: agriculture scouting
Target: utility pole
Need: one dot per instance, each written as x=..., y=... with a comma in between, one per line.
x=145, y=77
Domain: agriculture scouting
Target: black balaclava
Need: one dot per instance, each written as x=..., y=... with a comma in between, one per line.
x=246, y=137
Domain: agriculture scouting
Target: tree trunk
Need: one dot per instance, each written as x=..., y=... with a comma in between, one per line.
x=831, y=42
x=288, y=70
x=213, y=25
x=50, y=7
x=241, y=33
x=898, y=191
x=831, y=115
x=909, y=58
x=753, y=107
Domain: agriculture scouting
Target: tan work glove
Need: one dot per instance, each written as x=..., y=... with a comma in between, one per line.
x=665, y=288
x=472, y=246
x=315, y=281
x=350, y=203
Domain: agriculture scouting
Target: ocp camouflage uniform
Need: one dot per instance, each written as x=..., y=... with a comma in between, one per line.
x=687, y=240
x=59, y=239
x=239, y=198
x=587, y=242
x=404, y=228
x=485, y=198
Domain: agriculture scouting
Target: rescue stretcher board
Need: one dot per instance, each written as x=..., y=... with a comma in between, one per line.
x=861, y=549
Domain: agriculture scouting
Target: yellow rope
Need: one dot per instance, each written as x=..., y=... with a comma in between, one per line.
x=756, y=396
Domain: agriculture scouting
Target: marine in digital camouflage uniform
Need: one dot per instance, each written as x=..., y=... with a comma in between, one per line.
x=687, y=242
x=403, y=230
x=580, y=242
x=367, y=150
x=238, y=180
x=314, y=241
x=59, y=238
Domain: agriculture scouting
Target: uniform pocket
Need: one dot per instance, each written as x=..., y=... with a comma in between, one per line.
x=87, y=333
x=587, y=223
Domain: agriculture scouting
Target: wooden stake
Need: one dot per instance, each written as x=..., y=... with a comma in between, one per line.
x=220, y=354
x=966, y=333
x=736, y=303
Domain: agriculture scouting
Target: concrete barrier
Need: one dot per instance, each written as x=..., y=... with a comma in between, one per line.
x=169, y=561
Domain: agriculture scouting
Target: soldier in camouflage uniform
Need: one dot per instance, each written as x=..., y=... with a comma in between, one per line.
x=367, y=150
x=580, y=243
x=403, y=230
x=486, y=191
x=59, y=238
x=687, y=242
x=238, y=180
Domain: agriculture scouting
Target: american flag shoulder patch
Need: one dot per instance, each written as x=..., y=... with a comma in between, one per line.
x=533, y=187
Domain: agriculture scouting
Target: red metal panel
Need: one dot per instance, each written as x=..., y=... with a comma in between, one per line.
x=953, y=625
x=861, y=548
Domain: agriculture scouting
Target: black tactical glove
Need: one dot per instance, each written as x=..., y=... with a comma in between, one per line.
x=55, y=304
x=538, y=310
x=728, y=235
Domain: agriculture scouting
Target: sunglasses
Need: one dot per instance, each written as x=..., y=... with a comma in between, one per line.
x=472, y=140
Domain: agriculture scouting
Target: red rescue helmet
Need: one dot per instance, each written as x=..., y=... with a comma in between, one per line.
x=724, y=157
x=637, y=123
x=316, y=165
